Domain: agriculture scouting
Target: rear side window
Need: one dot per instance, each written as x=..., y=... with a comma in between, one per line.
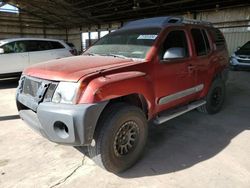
x=201, y=42
x=32, y=46
x=70, y=44
x=56, y=45
x=37, y=45
x=206, y=40
x=218, y=38
x=41, y=45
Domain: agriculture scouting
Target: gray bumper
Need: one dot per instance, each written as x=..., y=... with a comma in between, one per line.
x=238, y=62
x=63, y=123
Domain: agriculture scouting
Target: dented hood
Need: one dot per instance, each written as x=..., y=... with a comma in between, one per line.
x=74, y=68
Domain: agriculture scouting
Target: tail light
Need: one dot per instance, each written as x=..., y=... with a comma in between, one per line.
x=73, y=51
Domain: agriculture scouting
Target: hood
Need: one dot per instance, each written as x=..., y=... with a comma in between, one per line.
x=74, y=68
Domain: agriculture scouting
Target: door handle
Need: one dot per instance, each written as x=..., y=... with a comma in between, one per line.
x=191, y=67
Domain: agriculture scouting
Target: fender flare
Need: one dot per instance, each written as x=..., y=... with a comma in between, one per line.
x=116, y=85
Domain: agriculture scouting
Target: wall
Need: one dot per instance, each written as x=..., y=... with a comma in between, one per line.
x=234, y=23
x=14, y=25
x=74, y=36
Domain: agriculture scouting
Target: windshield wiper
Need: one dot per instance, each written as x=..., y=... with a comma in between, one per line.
x=90, y=54
x=117, y=55
x=110, y=54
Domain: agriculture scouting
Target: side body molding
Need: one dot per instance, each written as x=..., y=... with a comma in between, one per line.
x=181, y=94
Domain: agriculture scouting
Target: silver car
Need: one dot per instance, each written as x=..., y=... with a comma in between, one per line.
x=241, y=57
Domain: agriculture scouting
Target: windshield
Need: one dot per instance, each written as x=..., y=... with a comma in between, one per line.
x=126, y=44
x=244, y=50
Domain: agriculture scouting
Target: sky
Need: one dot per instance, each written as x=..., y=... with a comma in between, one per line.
x=9, y=8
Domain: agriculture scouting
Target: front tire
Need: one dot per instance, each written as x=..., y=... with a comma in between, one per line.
x=120, y=137
x=215, y=98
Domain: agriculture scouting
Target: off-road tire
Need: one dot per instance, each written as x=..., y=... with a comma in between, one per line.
x=215, y=98
x=113, y=121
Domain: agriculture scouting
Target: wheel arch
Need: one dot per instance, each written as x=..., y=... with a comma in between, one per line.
x=134, y=99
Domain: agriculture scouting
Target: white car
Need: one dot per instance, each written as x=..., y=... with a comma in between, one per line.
x=17, y=54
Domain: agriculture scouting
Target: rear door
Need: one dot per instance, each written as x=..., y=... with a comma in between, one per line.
x=15, y=57
x=202, y=54
x=40, y=51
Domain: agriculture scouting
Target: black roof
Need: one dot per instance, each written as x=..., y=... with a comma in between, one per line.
x=148, y=22
x=161, y=22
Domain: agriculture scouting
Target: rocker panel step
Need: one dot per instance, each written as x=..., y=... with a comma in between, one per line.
x=170, y=114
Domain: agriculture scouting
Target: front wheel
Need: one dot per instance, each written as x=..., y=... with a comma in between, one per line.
x=120, y=137
x=215, y=98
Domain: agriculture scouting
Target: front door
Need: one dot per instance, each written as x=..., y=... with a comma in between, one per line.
x=15, y=57
x=175, y=74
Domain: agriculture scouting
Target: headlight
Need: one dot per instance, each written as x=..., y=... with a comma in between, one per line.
x=66, y=92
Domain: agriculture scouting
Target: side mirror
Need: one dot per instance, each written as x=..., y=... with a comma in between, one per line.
x=1, y=51
x=174, y=53
x=238, y=48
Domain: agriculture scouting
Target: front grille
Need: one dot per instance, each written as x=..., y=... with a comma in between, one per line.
x=38, y=89
x=244, y=60
x=31, y=87
x=32, y=91
x=244, y=56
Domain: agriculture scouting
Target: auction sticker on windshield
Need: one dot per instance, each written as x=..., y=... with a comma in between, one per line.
x=147, y=37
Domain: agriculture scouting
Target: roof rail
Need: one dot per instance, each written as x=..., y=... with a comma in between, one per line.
x=162, y=21
x=183, y=20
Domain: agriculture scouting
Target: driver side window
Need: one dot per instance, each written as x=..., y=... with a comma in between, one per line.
x=15, y=47
x=9, y=48
x=175, y=41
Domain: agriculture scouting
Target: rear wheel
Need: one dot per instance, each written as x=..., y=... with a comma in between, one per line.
x=120, y=138
x=215, y=98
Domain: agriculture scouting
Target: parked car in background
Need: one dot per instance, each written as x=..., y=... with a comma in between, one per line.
x=241, y=57
x=17, y=54
x=73, y=48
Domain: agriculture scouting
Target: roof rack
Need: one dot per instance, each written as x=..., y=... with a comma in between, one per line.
x=162, y=22
x=183, y=20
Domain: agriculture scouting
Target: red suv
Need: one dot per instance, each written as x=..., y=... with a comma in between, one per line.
x=150, y=69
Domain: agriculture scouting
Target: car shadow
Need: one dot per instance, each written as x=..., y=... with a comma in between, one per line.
x=10, y=117
x=193, y=137
x=9, y=83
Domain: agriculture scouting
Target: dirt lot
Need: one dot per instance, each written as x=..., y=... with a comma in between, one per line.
x=194, y=150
